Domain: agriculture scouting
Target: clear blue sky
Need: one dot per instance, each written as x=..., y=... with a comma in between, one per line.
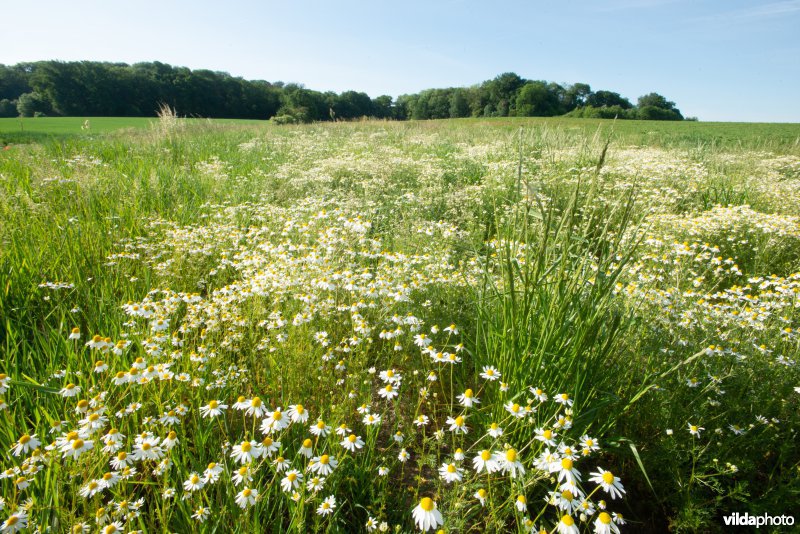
x=723, y=60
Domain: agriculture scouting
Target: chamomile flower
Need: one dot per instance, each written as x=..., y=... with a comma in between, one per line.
x=243, y=475
x=481, y=495
x=292, y=480
x=515, y=409
x=546, y=436
x=246, y=452
x=521, y=502
x=391, y=376
x=352, y=442
x=320, y=428
x=213, y=409
x=403, y=456
x=246, y=497
x=255, y=407
x=563, y=398
x=371, y=419
x=76, y=447
x=315, y=484
x=567, y=525
x=608, y=482
x=269, y=447
x=193, y=483
x=70, y=390
x=200, y=514
x=297, y=413
x=306, y=448
x=695, y=430
x=484, y=461
x=388, y=392
x=450, y=473
x=15, y=522
x=457, y=424
x=426, y=515
x=328, y=506
x=604, y=524
x=495, y=430
x=508, y=462
x=490, y=373
x=567, y=471
x=468, y=399
x=25, y=444
x=323, y=465
x=280, y=464
x=274, y=422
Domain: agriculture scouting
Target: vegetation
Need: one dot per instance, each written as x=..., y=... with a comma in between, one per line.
x=119, y=90
x=522, y=323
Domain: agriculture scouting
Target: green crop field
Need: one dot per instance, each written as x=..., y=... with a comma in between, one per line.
x=474, y=325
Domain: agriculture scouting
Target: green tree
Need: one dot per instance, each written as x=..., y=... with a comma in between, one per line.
x=29, y=104
x=599, y=99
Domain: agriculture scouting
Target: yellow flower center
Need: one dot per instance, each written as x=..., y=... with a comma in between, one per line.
x=299, y=408
x=212, y=465
x=122, y=456
x=277, y=415
x=242, y=470
x=146, y=446
x=172, y=435
x=213, y=404
x=468, y=394
x=566, y=464
x=247, y=492
x=389, y=373
x=194, y=479
x=94, y=417
x=604, y=518
x=482, y=493
x=83, y=404
x=24, y=439
x=307, y=443
x=324, y=459
x=548, y=434
x=267, y=442
x=486, y=455
x=351, y=438
x=77, y=444
x=451, y=468
x=292, y=477
x=608, y=478
x=522, y=499
x=256, y=402
x=567, y=495
x=246, y=446
x=511, y=455
x=388, y=388
x=320, y=424
x=459, y=421
x=694, y=428
x=567, y=520
x=515, y=408
x=427, y=504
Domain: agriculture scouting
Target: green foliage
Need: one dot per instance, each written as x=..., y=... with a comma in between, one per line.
x=33, y=104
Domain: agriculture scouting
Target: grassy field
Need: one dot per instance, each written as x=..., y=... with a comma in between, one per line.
x=466, y=326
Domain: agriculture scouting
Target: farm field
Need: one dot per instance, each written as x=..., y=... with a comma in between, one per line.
x=474, y=325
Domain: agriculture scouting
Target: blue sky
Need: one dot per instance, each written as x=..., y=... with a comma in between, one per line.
x=721, y=60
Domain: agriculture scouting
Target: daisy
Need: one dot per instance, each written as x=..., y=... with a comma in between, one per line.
x=490, y=373
x=120, y=461
x=352, y=442
x=297, y=413
x=25, y=444
x=75, y=333
x=608, y=482
x=458, y=424
x=327, y=506
x=212, y=473
x=421, y=420
x=468, y=399
x=450, y=473
x=343, y=430
x=371, y=524
x=212, y=409
x=246, y=497
x=589, y=445
x=426, y=516
x=90, y=489
x=481, y=495
x=391, y=376
x=323, y=465
x=292, y=480
x=546, y=436
x=171, y=440
x=458, y=455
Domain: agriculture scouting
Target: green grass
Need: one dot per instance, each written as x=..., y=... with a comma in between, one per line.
x=650, y=272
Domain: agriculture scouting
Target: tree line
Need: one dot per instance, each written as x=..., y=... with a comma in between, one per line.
x=89, y=88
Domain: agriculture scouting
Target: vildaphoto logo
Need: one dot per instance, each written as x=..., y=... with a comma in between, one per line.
x=746, y=520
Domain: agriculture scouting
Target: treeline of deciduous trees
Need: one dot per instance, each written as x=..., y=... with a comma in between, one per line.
x=87, y=88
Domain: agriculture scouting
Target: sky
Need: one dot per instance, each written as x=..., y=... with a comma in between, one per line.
x=718, y=60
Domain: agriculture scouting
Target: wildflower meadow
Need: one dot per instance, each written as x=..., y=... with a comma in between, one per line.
x=451, y=326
